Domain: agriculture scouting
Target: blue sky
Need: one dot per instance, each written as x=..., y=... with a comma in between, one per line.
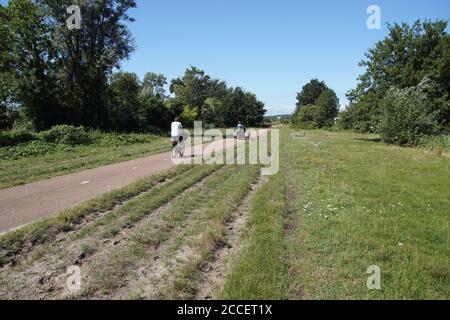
x=269, y=47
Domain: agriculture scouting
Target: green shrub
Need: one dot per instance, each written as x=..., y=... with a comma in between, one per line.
x=67, y=135
x=34, y=148
x=5, y=139
x=309, y=117
x=321, y=114
x=15, y=137
x=407, y=116
x=22, y=123
x=360, y=117
x=14, y=146
x=441, y=142
x=119, y=139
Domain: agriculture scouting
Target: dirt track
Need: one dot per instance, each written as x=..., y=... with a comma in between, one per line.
x=24, y=204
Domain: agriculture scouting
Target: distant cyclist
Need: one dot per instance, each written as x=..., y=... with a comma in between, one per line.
x=177, y=132
x=240, y=131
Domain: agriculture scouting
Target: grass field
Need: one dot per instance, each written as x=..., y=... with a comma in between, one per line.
x=341, y=202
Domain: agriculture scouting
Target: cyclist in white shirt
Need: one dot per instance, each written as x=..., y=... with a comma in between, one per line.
x=240, y=134
x=177, y=132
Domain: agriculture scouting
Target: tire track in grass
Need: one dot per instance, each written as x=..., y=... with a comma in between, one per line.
x=45, y=276
x=262, y=269
x=181, y=273
x=214, y=272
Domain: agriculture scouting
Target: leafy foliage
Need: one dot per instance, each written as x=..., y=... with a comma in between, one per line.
x=15, y=137
x=153, y=109
x=124, y=109
x=310, y=93
x=17, y=144
x=242, y=106
x=438, y=143
x=67, y=135
x=309, y=117
x=51, y=75
x=34, y=148
x=214, y=102
x=192, y=88
x=328, y=103
x=60, y=75
x=189, y=115
x=322, y=110
x=407, y=56
x=407, y=116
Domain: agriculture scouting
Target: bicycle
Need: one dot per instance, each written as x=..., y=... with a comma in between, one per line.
x=179, y=148
x=240, y=134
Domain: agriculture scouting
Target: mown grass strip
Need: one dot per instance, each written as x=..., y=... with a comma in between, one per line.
x=16, y=242
x=210, y=230
x=262, y=270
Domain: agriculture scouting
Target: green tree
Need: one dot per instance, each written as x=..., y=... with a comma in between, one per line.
x=309, y=117
x=8, y=83
x=152, y=98
x=192, y=88
x=125, y=108
x=175, y=107
x=217, y=89
x=189, y=115
x=317, y=106
x=86, y=57
x=62, y=74
x=214, y=102
x=30, y=58
x=328, y=102
x=153, y=85
x=310, y=93
x=253, y=114
x=403, y=59
x=407, y=115
x=244, y=107
x=210, y=112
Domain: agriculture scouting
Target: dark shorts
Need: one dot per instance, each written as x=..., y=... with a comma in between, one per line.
x=176, y=140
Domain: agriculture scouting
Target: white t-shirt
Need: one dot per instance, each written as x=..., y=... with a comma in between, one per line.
x=177, y=129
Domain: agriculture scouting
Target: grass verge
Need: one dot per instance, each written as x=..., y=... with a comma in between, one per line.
x=261, y=272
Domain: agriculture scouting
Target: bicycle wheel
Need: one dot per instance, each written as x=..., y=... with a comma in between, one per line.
x=182, y=148
x=174, y=152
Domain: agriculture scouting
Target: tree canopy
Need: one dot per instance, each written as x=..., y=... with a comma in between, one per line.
x=407, y=56
x=60, y=74
x=310, y=93
x=57, y=75
x=317, y=106
x=213, y=102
